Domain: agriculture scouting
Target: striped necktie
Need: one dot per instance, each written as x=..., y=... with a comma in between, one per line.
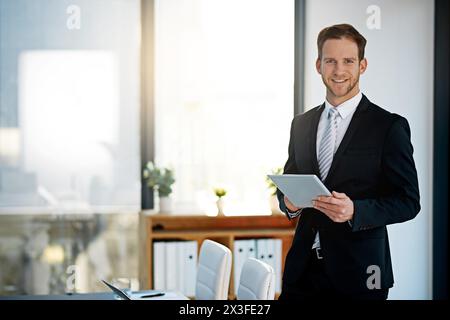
x=327, y=145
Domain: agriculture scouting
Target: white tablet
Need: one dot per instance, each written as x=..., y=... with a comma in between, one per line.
x=300, y=189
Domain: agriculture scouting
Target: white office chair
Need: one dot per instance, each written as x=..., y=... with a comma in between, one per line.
x=213, y=272
x=257, y=281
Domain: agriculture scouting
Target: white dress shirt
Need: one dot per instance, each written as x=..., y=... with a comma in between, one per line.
x=345, y=111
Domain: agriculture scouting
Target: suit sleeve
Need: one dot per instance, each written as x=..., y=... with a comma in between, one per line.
x=400, y=200
x=289, y=167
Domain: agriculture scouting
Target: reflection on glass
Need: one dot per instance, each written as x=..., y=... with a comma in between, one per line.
x=69, y=253
x=68, y=102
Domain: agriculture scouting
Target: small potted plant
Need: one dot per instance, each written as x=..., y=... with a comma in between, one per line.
x=160, y=179
x=274, y=204
x=220, y=193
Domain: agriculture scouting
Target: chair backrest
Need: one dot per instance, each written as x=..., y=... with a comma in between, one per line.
x=257, y=281
x=213, y=273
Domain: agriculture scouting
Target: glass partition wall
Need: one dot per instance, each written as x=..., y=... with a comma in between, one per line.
x=69, y=144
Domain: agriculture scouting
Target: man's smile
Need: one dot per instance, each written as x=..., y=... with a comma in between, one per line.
x=339, y=80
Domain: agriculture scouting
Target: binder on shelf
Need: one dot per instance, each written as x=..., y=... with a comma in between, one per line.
x=171, y=266
x=274, y=247
x=159, y=265
x=190, y=268
x=261, y=249
x=269, y=251
x=180, y=265
x=242, y=250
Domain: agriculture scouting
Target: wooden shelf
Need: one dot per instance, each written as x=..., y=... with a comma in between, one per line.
x=224, y=230
x=235, y=233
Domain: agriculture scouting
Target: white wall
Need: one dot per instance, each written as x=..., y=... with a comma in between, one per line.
x=399, y=78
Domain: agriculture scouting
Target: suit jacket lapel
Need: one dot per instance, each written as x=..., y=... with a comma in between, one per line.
x=354, y=123
x=313, y=138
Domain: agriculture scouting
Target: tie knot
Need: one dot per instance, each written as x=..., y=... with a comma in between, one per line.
x=333, y=113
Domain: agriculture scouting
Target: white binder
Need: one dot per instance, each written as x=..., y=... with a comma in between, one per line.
x=261, y=249
x=171, y=266
x=242, y=250
x=159, y=265
x=274, y=259
x=190, y=267
x=269, y=251
x=180, y=265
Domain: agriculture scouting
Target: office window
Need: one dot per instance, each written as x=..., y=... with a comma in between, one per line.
x=69, y=106
x=69, y=144
x=223, y=98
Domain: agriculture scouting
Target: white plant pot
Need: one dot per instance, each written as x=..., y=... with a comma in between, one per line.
x=165, y=205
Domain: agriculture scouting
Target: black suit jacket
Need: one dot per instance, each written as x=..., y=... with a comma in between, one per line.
x=374, y=166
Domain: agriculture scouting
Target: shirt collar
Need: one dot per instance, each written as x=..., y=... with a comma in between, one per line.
x=347, y=107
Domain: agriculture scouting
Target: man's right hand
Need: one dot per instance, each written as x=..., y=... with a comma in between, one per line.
x=289, y=205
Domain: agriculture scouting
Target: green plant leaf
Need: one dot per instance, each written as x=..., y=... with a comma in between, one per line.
x=160, y=179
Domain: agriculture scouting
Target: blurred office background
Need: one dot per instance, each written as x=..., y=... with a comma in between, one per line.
x=92, y=89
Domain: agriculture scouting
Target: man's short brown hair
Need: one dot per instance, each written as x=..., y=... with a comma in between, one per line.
x=339, y=31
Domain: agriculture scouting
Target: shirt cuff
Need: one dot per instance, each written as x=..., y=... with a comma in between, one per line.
x=294, y=214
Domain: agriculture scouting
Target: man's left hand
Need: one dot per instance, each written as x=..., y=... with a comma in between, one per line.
x=337, y=207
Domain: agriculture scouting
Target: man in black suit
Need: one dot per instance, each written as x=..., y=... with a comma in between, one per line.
x=362, y=153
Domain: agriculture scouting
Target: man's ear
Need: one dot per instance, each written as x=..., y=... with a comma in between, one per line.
x=318, y=64
x=362, y=66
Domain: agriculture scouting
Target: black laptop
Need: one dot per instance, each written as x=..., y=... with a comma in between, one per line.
x=125, y=296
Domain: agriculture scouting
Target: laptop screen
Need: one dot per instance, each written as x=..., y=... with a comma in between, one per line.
x=118, y=291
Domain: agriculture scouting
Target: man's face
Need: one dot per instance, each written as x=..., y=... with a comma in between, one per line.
x=340, y=69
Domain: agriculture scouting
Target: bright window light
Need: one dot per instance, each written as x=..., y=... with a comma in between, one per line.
x=69, y=107
x=224, y=98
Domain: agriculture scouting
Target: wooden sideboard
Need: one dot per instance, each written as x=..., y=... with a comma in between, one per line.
x=223, y=229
